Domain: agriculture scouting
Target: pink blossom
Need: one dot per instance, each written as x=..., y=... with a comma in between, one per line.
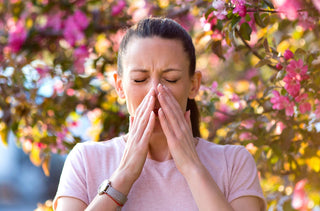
x=40, y=145
x=209, y=23
x=59, y=141
x=279, y=128
x=279, y=66
x=297, y=71
x=248, y=124
x=54, y=21
x=80, y=56
x=17, y=36
x=299, y=198
x=117, y=9
x=58, y=86
x=277, y=100
x=240, y=7
x=214, y=89
x=292, y=85
x=247, y=136
x=220, y=6
x=288, y=8
x=42, y=70
x=116, y=39
x=72, y=33
x=282, y=102
x=222, y=113
x=304, y=106
x=288, y=54
x=316, y=3
x=70, y=92
x=80, y=19
x=306, y=22
x=74, y=26
x=251, y=73
x=317, y=110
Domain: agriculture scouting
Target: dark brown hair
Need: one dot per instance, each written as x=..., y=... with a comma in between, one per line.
x=167, y=29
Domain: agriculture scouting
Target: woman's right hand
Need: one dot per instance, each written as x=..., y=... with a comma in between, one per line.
x=136, y=150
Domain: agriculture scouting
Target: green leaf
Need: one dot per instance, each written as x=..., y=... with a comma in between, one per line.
x=216, y=48
x=267, y=2
x=245, y=31
x=208, y=12
x=258, y=20
x=248, y=18
x=235, y=21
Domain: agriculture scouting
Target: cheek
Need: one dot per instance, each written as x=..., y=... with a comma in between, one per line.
x=134, y=97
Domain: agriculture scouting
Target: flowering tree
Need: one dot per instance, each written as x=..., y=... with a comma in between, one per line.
x=260, y=61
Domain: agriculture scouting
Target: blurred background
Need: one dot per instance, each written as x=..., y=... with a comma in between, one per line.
x=260, y=61
x=22, y=184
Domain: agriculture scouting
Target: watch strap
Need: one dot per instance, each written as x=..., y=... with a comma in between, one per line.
x=116, y=195
x=106, y=188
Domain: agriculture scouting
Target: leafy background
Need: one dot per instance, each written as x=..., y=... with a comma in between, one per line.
x=261, y=74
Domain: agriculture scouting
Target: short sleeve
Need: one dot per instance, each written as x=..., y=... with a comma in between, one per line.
x=243, y=175
x=73, y=178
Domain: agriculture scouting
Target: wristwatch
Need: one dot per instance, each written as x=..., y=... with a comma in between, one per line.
x=106, y=188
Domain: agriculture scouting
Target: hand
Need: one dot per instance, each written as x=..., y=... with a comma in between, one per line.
x=136, y=150
x=176, y=126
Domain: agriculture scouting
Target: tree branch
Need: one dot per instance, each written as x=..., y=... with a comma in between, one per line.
x=251, y=49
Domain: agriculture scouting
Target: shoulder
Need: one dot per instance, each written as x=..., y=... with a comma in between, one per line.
x=230, y=157
x=90, y=146
x=229, y=151
x=90, y=149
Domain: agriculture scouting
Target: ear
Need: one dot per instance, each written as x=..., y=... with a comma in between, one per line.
x=195, y=84
x=118, y=85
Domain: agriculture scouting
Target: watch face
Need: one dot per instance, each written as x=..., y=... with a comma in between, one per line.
x=103, y=186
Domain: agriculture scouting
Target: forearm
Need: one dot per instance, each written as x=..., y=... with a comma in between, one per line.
x=119, y=182
x=205, y=191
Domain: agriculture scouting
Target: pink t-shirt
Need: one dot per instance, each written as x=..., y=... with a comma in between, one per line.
x=160, y=185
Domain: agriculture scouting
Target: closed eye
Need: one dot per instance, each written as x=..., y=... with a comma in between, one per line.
x=171, y=81
x=139, y=81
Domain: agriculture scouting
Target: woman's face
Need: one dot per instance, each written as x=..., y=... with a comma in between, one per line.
x=150, y=61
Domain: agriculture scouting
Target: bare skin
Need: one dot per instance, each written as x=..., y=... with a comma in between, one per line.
x=160, y=84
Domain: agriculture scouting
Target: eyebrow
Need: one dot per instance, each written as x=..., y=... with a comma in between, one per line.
x=164, y=71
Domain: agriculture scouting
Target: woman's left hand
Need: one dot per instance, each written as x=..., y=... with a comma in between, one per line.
x=176, y=126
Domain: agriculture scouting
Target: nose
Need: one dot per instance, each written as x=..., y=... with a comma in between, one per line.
x=155, y=83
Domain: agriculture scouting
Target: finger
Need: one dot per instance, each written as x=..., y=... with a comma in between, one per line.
x=144, y=102
x=131, y=119
x=142, y=121
x=174, y=117
x=173, y=103
x=187, y=117
x=149, y=129
x=142, y=107
x=166, y=128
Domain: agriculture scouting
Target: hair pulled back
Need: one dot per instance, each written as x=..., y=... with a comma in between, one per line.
x=167, y=29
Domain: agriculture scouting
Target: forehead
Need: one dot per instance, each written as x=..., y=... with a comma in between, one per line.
x=155, y=53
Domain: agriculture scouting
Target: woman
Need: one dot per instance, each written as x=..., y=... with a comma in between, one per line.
x=160, y=164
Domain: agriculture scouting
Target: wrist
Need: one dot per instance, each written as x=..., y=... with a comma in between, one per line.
x=122, y=182
x=195, y=172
